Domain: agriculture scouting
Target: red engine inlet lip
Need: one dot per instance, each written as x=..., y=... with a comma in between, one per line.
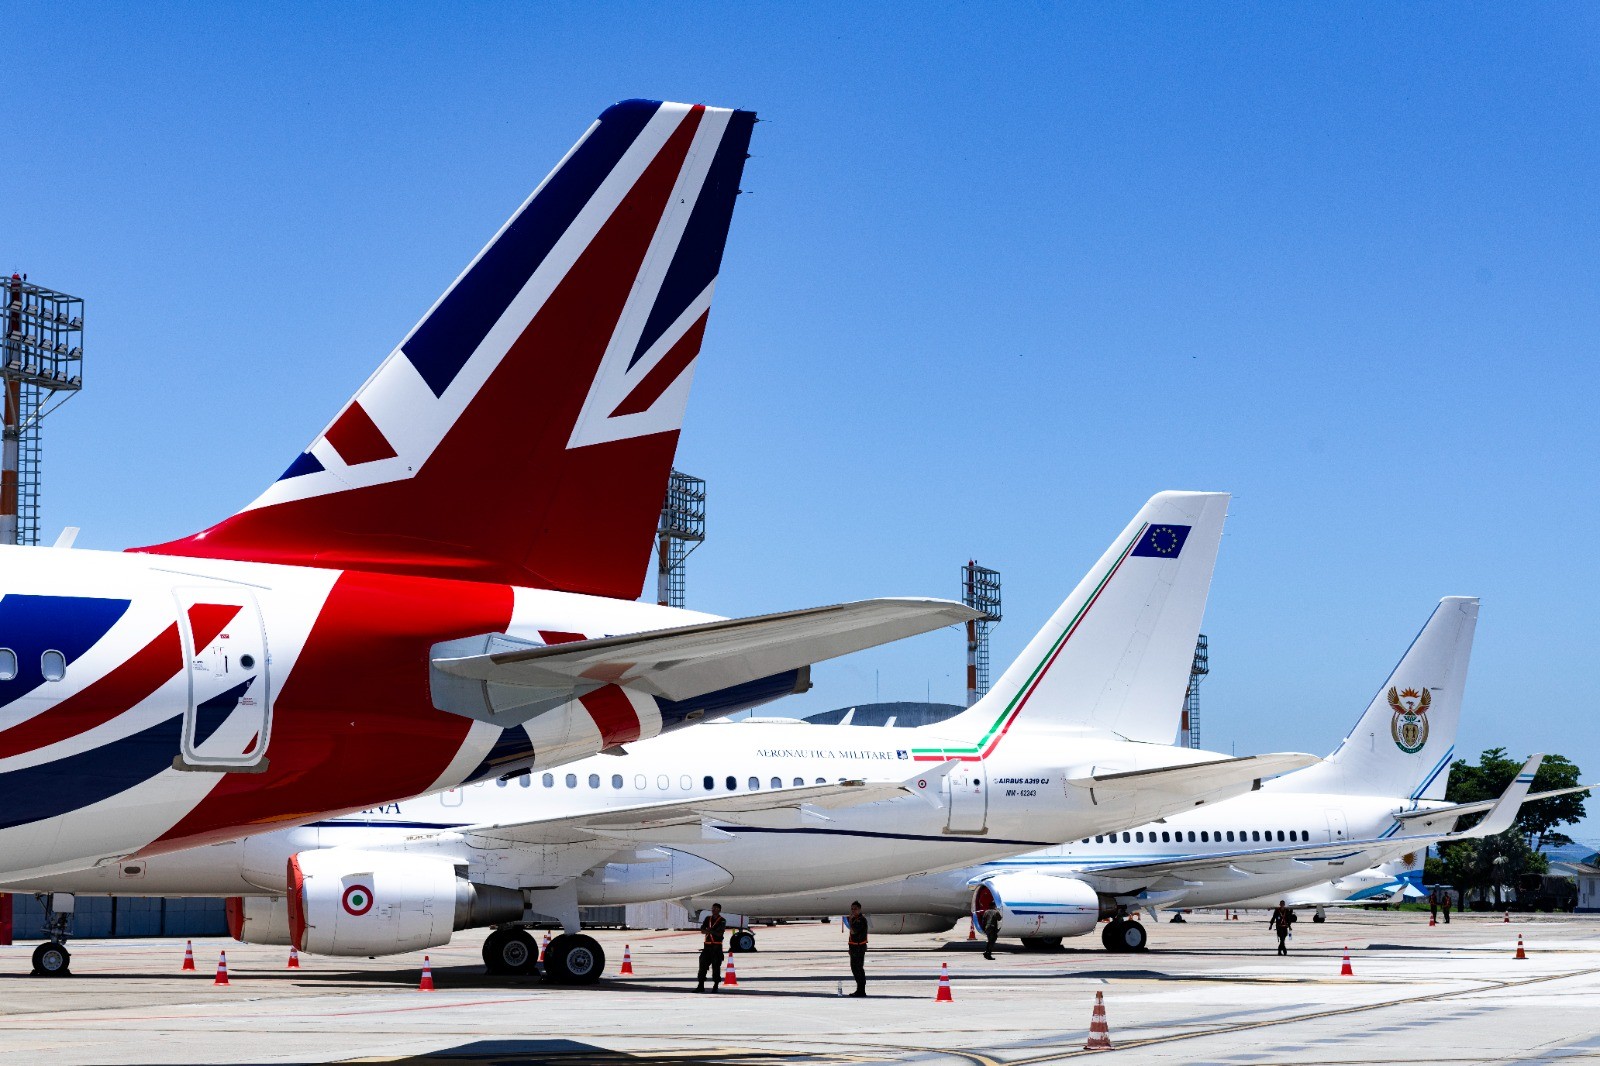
x=357, y=900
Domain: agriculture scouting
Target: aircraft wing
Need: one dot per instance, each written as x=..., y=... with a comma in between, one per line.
x=1203, y=780
x=1237, y=865
x=684, y=662
x=684, y=821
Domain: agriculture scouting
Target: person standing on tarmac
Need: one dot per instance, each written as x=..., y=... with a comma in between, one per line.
x=1282, y=918
x=1433, y=906
x=712, y=928
x=991, y=930
x=1444, y=905
x=856, y=924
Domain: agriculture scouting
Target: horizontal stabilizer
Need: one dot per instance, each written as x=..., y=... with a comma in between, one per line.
x=1415, y=821
x=668, y=819
x=1199, y=778
x=680, y=663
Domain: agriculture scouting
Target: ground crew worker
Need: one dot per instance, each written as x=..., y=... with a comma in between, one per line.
x=1282, y=918
x=991, y=929
x=1444, y=905
x=1433, y=906
x=856, y=924
x=712, y=928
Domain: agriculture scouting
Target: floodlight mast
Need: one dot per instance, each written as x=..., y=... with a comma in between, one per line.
x=980, y=590
x=41, y=367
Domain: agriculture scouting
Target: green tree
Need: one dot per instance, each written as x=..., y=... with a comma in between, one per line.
x=1539, y=820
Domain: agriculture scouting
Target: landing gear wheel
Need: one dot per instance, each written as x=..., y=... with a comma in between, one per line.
x=509, y=952
x=1121, y=935
x=52, y=959
x=1041, y=943
x=742, y=941
x=574, y=959
x=1320, y=916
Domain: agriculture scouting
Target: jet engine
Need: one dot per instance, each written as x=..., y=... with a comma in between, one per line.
x=903, y=924
x=343, y=901
x=259, y=919
x=1038, y=905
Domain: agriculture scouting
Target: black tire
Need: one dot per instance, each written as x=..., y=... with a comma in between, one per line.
x=1319, y=918
x=574, y=959
x=1108, y=934
x=52, y=959
x=1130, y=937
x=742, y=941
x=510, y=953
x=1041, y=943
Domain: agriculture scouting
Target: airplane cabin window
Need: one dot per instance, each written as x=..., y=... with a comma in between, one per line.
x=1191, y=836
x=549, y=780
x=755, y=784
x=777, y=782
x=499, y=782
x=1098, y=840
x=640, y=781
x=594, y=780
x=8, y=664
x=1255, y=834
x=732, y=783
x=1127, y=838
x=710, y=782
x=616, y=780
x=53, y=665
x=1205, y=838
x=1166, y=838
x=1230, y=836
x=663, y=782
x=685, y=782
x=1280, y=836
x=1139, y=837
x=572, y=780
x=822, y=780
x=799, y=781
x=526, y=780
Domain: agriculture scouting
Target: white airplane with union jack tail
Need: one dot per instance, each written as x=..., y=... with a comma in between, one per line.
x=441, y=586
x=1074, y=738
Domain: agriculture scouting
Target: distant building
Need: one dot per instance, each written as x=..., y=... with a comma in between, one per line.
x=907, y=713
x=1587, y=876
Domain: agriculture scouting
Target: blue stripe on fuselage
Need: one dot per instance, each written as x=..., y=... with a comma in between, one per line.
x=33, y=625
x=66, y=785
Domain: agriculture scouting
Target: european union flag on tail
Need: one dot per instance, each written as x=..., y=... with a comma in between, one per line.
x=1162, y=541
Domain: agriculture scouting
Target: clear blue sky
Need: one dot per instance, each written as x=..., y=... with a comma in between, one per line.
x=1005, y=270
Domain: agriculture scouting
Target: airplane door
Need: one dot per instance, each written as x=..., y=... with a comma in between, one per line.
x=1336, y=825
x=229, y=717
x=969, y=798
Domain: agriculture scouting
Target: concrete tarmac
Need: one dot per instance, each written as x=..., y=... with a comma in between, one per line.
x=1208, y=991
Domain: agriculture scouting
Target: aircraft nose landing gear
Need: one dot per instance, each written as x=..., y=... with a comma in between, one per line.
x=52, y=959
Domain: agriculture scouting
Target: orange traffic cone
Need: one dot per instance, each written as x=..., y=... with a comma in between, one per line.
x=1345, y=970
x=1099, y=1031
x=944, y=995
x=1521, y=954
x=1432, y=921
x=188, y=955
x=730, y=979
x=222, y=970
x=427, y=976
x=1508, y=918
x=294, y=958
x=627, y=962
x=972, y=928
x=545, y=947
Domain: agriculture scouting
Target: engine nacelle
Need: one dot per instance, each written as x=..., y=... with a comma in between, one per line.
x=259, y=920
x=1033, y=904
x=906, y=924
x=343, y=901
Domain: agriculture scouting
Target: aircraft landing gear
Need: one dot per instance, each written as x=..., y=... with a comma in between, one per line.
x=1123, y=935
x=52, y=959
x=574, y=959
x=510, y=952
x=1320, y=916
x=743, y=941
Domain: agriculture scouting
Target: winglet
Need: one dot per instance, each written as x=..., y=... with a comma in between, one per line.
x=1505, y=809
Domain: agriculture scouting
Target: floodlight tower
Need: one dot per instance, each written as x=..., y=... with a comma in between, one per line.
x=681, y=530
x=980, y=590
x=41, y=368
x=1189, y=732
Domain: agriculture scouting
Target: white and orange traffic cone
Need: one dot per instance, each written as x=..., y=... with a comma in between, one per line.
x=294, y=958
x=1099, y=1031
x=1508, y=918
x=730, y=979
x=544, y=947
x=944, y=995
x=1432, y=921
x=1345, y=970
x=222, y=970
x=426, y=985
x=188, y=955
x=972, y=928
x=1521, y=954
x=627, y=962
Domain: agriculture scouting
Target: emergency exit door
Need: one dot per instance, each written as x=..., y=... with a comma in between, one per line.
x=229, y=717
x=1336, y=823
x=969, y=798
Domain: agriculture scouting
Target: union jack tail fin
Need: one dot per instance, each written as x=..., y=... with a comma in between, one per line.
x=1404, y=743
x=524, y=430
